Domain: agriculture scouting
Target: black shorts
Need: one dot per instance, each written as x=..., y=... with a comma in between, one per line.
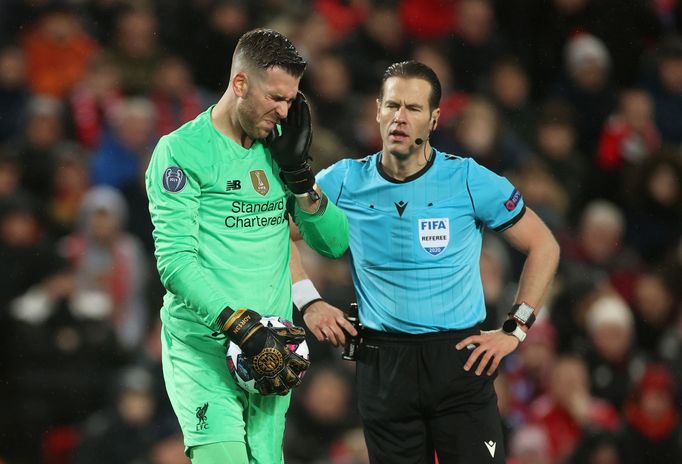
x=415, y=399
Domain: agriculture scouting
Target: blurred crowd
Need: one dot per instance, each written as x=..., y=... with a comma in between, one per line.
x=578, y=102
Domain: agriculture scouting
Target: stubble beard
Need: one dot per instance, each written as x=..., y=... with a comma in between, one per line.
x=247, y=120
x=401, y=153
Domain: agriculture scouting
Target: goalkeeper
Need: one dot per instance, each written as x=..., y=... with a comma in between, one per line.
x=222, y=189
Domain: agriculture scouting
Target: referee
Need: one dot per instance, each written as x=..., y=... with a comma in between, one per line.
x=417, y=215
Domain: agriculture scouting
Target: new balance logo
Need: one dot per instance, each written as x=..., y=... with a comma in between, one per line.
x=491, y=445
x=233, y=185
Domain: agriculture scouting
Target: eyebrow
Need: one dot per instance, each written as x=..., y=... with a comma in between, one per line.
x=407, y=105
x=279, y=97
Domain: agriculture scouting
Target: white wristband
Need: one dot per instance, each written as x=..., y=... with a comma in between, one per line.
x=304, y=294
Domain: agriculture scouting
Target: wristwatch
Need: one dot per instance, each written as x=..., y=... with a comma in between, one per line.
x=523, y=313
x=511, y=327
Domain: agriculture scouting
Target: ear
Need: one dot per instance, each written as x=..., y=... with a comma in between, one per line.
x=435, y=114
x=240, y=84
x=378, y=110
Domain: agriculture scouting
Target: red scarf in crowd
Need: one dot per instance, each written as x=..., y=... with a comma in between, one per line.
x=171, y=113
x=90, y=115
x=656, y=378
x=653, y=429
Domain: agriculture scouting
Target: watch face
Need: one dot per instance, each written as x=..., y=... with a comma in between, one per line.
x=523, y=312
x=509, y=326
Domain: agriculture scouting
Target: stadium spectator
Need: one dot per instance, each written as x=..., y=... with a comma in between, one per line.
x=630, y=134
x=543, y=192
x=597, y=249
x=324, y=411
x=14, y=93
x=567, y=410
x=379, y=41
x=652, y=420
x=555, y=144
x=175, y=97
x=480, y=134
x=613, y=359
x=110, y=266
x=57, y=50
x=656, y=306
x=136, y=51
x=528, y=371
x=93, y=101
x=71, y=183
x=133, y=420
x=530, y=445
x=329, y=80
x=10, y=173
x=629, y=137
x=665, y=87
x=586, y=86
x=474, y=46
x=38, y=144
x=653, y=206
x=125, y=148
x=509, y=90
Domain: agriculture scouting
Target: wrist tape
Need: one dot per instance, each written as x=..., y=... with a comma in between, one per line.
x=304, y=294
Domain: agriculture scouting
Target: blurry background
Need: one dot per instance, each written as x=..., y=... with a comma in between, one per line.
x=578, y=102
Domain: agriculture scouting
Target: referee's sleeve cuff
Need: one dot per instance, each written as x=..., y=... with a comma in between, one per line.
x=512, y=221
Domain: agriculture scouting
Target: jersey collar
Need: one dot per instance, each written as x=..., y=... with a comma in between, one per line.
x=416, y=175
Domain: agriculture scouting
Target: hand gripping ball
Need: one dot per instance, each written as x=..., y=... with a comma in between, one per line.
x=241, y=371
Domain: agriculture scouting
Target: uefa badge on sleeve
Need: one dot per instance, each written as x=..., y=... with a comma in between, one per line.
x=174, y=179
x=513, y=200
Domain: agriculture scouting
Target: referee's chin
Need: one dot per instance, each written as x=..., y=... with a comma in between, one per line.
x=401, y=152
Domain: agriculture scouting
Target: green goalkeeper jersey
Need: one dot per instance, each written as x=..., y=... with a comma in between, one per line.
x=220, y=226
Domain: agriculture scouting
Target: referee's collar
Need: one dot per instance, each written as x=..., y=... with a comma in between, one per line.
x=416, y=175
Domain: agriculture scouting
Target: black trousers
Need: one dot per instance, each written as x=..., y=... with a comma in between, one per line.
x=415, y=399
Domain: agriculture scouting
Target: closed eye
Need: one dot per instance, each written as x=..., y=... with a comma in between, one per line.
x=281, y=98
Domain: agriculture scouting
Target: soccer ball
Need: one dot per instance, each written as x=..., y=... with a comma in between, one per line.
x=241, y=373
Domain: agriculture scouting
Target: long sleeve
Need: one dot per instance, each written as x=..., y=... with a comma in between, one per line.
x=174, y=191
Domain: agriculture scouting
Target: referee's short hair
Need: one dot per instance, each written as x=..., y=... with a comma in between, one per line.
x=264, y=49
x=414, y=69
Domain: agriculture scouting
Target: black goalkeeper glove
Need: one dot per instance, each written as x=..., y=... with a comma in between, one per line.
x=290, y=148
x=276, y=369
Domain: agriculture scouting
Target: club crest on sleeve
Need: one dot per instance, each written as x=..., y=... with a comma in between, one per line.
x=513, y=200
x=260, y=181
x=174, y=179
x=434, y=234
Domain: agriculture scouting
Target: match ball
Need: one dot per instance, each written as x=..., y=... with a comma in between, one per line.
x=241, y=372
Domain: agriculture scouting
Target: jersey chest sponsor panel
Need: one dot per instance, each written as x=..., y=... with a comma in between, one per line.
x=415, y=249
x=242, y=225
x=241, y=198
x=248, y=234
x=243, y=207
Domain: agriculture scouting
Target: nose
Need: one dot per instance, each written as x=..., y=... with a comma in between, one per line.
x=399, y=115
x=282, y=109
